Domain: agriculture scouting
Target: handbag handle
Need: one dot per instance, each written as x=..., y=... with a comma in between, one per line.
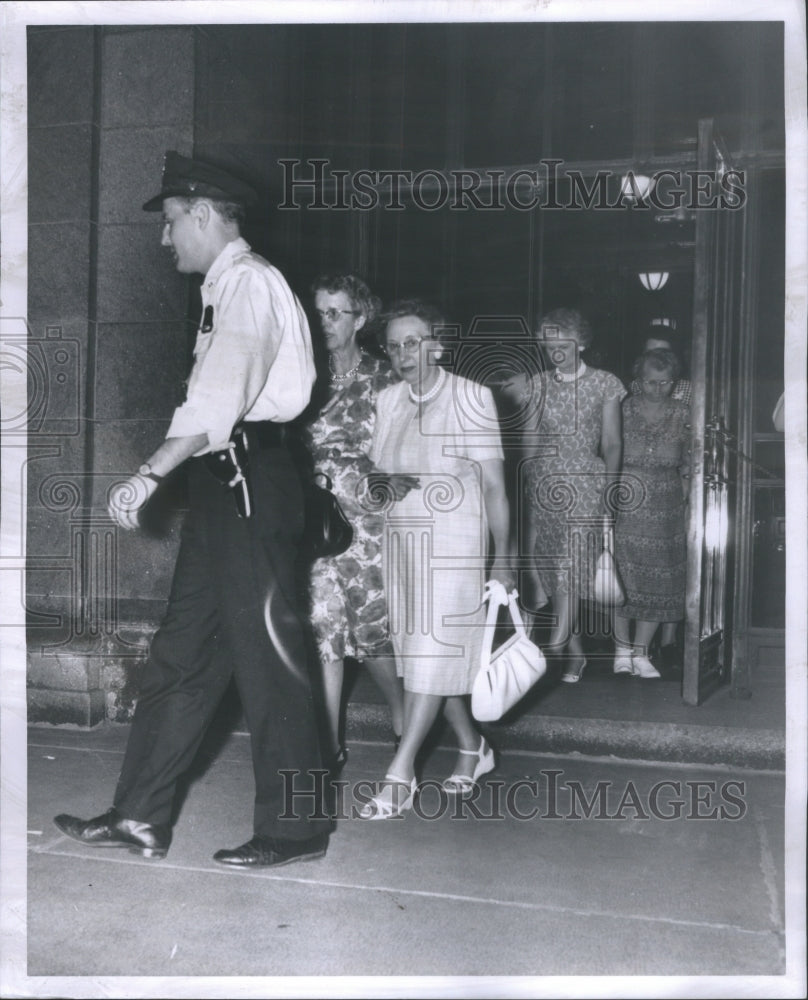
x=496, y=596
x=608, y=535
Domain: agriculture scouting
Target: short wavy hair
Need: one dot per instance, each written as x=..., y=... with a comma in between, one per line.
x=363, y=300
x=571, y=322
x=428, y=313
x=659, y=359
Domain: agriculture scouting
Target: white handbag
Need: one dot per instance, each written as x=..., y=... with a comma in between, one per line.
x=608, y=587
x=507, y=674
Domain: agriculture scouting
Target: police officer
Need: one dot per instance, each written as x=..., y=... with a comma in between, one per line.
x=231, y=610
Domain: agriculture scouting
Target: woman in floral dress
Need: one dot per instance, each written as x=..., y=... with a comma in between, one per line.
x=650, y=534
x=573, y=446
x=348, y=607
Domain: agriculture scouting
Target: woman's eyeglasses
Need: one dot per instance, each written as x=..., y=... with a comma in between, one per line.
x=410, y=346
x=332, y=314
x=652, y=383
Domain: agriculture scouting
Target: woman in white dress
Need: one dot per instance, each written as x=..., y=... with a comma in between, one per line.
x=439, y=461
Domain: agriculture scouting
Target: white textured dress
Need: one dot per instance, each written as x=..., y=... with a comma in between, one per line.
x=436, y=538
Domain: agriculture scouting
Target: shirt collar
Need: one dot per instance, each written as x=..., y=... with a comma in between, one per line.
x=233, y=249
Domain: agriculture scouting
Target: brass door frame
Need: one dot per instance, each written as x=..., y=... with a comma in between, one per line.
x=716, y=367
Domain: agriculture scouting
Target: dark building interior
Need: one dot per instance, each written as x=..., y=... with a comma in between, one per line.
x=270, y=102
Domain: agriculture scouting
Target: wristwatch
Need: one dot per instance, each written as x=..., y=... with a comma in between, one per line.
x=145, y=471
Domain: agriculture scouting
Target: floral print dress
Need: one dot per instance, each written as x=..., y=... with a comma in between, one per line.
x=650, y=529
x=348, y=607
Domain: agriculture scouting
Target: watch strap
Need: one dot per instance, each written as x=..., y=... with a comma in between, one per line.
x=145, y=472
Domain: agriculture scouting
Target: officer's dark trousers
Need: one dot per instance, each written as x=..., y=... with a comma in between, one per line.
x=231, y=612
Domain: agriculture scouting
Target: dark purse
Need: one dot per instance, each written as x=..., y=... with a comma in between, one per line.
x=327, y=530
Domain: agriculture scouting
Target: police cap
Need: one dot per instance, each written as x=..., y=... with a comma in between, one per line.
x=187, y=178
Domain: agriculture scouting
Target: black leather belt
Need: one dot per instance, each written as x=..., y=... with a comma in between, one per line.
x=265, y=433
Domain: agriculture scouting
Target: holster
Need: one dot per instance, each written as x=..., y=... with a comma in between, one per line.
x=230, y=465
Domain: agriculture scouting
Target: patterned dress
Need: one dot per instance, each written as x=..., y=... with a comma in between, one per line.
x=564, y=483
x=650, y=535
x=348, y=608
x=436, y=537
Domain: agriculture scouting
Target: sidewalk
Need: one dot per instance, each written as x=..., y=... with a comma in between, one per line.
x=496, y=895
x=623, y=717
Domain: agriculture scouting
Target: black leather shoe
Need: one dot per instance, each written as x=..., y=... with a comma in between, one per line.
x=112, y=830
x=272, y=852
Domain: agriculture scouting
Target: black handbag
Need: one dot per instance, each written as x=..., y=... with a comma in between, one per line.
x=327, y=531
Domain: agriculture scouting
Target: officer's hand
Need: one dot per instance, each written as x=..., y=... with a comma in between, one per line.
x=126, y=498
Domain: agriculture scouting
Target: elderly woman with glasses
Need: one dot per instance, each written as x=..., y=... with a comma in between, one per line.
x=650, y=531
x=439, y=457
x=572, y=445
x=348, y=609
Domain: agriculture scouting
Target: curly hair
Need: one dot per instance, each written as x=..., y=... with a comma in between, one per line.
x=659, y=359
x=571, y=322
x=420, y=309
x=355, y=288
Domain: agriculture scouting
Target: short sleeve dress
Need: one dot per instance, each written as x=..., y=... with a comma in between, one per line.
x=649, y=538
x=436, y=538
x=348, y=608
x=564, y=483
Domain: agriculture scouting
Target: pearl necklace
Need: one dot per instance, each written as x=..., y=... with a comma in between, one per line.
x=431, y=393
x=569, y=377
x=345, y=375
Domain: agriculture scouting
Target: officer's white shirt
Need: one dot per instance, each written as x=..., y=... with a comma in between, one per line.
x=256, y=363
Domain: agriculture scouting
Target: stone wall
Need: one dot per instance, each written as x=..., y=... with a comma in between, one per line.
x=109, y=338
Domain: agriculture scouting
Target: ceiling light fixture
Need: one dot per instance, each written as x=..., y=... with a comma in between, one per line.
x=652, y=281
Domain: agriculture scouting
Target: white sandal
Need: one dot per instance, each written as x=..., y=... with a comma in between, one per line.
x=381, y=806
x=464, y=784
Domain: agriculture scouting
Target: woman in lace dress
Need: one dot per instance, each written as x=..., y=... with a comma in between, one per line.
x=573, y=446
x=650, y=533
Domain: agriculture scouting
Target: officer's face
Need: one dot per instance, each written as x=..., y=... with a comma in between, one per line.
x=182, y=234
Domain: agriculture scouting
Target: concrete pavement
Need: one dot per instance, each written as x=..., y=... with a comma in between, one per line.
x=676, y=871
